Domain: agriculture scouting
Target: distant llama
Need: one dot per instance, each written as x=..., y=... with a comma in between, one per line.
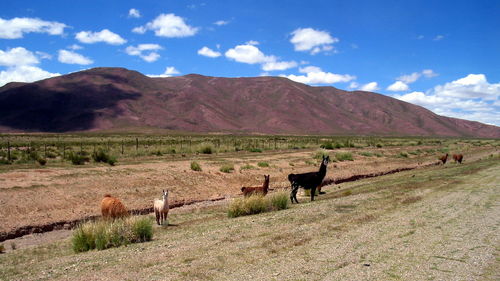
x=249, y=190
x=112, y=208
x=161, y=208
x=458, y=158
x=443, y=158
x=310, y=180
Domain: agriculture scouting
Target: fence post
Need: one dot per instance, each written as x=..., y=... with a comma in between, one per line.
x=8, y=151
x=136, y=145
x=64, y=151
x=122, y=147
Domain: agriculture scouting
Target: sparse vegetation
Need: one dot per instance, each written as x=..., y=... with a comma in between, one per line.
x=247, y=167
x=227, y=168
x=256, y=204
x=103, y=234
x=320, y=153
x=102, y=156
x=195, y=166
x=344, y=156
x=206, y=149
x=263, y=164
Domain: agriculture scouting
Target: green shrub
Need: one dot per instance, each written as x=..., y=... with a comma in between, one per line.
x=256, y=204
x=206, y=149
x=379, y=145
x=344, y=156
x=42, y=161
x=327, y=145
x=227, y=168
x=403, y=155
x=320, y=153
x=103, y=234
x=247, y=167
x=255, y=149
x=51, y=154
x=101, y=156
x=4, y=161
x=263, y=164
x=195, y=166
x=366, y=153
x=76, y=159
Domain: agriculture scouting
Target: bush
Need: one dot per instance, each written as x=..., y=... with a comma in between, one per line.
x=42, y=161
x=76, y=159
x=256, y=204
x=320, y=153
x=195, y=166
x=366, y=153
x=247, y=167
x=206, y=149
x=101, y=156
x=327, y=145
x=263, y=164
x=106, y=234
x=227, y=168
x=4, y=161
x=403, y=155
x=254, y=149
x=344, y=156
x=51, y=154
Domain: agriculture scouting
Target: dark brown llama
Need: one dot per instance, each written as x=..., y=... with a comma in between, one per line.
x=458, y=158
x=443, y=158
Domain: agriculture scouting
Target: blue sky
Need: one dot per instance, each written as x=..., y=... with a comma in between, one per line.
x=443, y=55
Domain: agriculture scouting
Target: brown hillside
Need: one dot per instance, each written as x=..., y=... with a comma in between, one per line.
x=114, y=98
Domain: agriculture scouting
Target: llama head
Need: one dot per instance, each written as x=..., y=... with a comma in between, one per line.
x=326, y=159
x=165, y=194
x=266, y=178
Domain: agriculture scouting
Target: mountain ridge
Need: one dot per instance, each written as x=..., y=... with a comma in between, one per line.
x=113, y=98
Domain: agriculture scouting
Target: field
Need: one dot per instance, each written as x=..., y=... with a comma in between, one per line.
x=430, y=222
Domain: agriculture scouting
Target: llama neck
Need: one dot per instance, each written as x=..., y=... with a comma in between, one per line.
x=266, y=185
x=322, y=169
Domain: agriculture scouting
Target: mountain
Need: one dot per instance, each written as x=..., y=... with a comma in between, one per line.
x=117, y=98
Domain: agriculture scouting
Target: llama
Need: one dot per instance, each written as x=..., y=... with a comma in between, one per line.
x=249, y=190
x=458, y=158
x=161, y=208
x=443, y=158
x=112, y=208
x=308, y=180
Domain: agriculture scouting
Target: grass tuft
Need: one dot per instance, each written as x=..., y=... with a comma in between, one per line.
x=103, y=234
x=227, y=168
x=256, y=204
x=263, y=164
x=344, y=156
x=195, y=166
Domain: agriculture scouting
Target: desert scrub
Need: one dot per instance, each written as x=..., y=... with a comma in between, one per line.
x=320, y=154
x=255, y=149
x=263, y=164
x=247, y=167
x=102, y=156
x=195, y=166
x=77, y=159
x=256, y=204
x=227, y=168
x=104, y=234
x=403, y=155
x=366, y=154
x=327, y=145
x=344, y=156
x=206, y=149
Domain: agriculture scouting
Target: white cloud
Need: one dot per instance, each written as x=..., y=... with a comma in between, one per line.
x=353, y=85
x=370, y=87
x=471, y=97
x=145, y=51
x=320, y=78
x=169, y=71
x=207, y=52
x=104, y=35
x=43, y=55
x=410, y=78
x=248, y=54
x=398, y=86
x=279, y=65
x=75, y=47
x=309, y=68
x=16, y=27
x=70, y=57
x=429, y=73
x=168, y=25
x=24, y=73
x=221, y=22
x=438, y=37
x=17, y=56
x=252, y=42
x=315, y=41
x=134, y=13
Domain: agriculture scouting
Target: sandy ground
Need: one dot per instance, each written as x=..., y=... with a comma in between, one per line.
x=45, y=195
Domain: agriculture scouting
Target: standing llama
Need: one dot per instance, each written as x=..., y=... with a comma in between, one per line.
x=308, y=180
x=161, y=208
x=443, y=158
x=112, y=208
x=249, y=190
x=458, y=158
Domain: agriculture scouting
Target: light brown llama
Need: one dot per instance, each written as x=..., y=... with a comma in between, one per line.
x=112, y=207
x=161, y=208
x=249, y=190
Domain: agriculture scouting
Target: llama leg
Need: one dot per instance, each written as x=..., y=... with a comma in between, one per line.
x=295, y=189
x=313, y=191
x=157, y=217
